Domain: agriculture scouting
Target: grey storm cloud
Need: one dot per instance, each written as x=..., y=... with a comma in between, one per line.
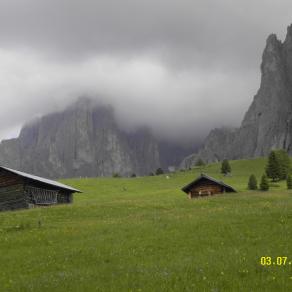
x=197, y=61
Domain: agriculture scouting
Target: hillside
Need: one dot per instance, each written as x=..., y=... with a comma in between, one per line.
x=143, y=234
x=267, y=123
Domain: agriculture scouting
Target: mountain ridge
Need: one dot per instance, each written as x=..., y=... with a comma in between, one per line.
x=267, y=124
x=85, y=140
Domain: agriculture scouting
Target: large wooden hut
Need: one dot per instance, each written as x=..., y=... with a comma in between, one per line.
x=20, y=190
x=205, y=185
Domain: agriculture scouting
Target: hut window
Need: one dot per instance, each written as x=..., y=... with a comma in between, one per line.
x=42, y=196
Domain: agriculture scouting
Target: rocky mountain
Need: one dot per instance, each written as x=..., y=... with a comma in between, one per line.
x=268, y=122
x=85, y=140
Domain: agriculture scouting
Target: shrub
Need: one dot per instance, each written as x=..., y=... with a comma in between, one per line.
x=200, y=162
x=116, y=175
x=252, y=183
x=133, y=175
x=159, y=171
x=264, y=185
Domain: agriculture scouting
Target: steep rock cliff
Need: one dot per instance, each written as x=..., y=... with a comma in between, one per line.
x=268, y=122
x=83, y=140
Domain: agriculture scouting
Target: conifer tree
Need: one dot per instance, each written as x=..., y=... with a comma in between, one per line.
x=289, y=182
x=225, y=167
x=273, y=169
x=252, y=183
x=284, y=162
x=264, y=185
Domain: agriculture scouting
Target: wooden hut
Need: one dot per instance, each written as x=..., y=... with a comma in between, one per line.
x=20, y=190
x=206, y=186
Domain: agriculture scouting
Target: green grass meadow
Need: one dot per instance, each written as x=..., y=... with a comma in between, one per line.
x=144, y=234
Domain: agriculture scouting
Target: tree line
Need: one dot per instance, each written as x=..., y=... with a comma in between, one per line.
x=158, y=171
x=278, y=168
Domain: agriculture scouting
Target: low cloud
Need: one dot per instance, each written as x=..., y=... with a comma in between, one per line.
x=180, y=67
x=143, y=92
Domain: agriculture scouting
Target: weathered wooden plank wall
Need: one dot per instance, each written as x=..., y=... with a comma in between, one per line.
x=206, y=188
x=63, y=197
x=12, y=197
x=19, y=193
x=7, y=179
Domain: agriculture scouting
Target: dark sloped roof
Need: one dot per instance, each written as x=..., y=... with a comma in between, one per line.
x=188, y=187
x=41, y=179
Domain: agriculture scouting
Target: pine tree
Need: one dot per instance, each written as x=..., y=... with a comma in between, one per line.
x=225, y=167
x=273, y=169
x=289, y=182
x=252, y=183
x=264, y=185
x=284, y=162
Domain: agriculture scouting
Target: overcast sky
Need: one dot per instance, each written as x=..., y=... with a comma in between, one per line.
x=181, y=67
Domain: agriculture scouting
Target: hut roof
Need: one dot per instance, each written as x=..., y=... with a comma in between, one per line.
x=41, y=179
x=188, y=187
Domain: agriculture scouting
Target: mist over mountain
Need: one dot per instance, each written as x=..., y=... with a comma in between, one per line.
x=268, y=122
x=86, y=140
x=178, y=68
x=174, y=66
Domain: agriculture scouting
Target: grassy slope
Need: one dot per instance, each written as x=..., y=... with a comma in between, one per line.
x=143, y=234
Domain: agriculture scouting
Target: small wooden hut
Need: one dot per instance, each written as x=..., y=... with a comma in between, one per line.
x=206, y=186
x=20, y=190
